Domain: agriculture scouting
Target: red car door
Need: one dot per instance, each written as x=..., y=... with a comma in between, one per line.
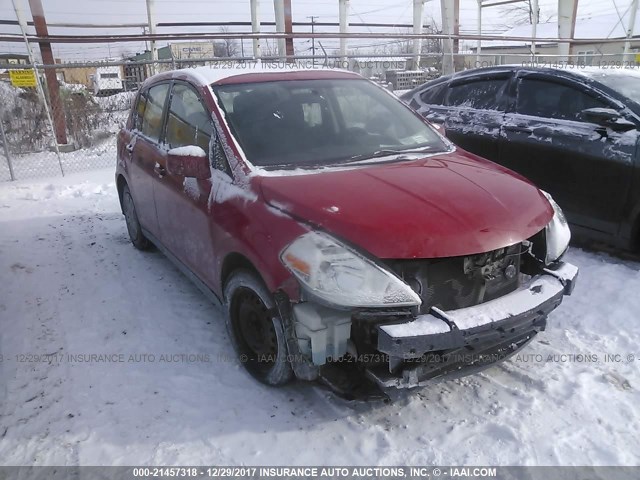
x=144, y=150
x=182, y=202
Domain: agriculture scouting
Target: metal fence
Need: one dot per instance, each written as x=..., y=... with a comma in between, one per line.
x=47, y=133
x=87, y=116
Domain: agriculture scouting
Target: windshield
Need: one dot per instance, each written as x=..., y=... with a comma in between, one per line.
x=625, y=83
x=320, y=122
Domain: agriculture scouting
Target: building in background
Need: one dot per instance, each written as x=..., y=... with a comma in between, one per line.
x=14, y=58
x=377, y=66
x=504, y=52
x=75, y=75
x=172, y=56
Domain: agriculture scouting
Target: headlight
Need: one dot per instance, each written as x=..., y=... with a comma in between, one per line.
x=341, y=276
x=557, y=233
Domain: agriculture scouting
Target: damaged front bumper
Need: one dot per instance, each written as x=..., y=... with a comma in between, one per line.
x=444, y=344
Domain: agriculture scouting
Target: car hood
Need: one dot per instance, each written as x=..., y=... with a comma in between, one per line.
x=442, y=206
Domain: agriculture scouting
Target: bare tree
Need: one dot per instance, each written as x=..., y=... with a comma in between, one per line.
x=227, y=47
x=522, y=14
x=432, y=45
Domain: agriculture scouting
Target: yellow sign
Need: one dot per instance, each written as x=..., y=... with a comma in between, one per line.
x=637, y=57
x=22, y=78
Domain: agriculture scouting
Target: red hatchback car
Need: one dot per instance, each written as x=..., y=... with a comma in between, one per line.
x=347, y=240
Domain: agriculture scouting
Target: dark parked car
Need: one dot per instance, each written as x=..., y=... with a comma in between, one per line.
x=572, y=132
x=344, y=236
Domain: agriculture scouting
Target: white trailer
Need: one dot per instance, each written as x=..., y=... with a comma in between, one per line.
x=107, y=81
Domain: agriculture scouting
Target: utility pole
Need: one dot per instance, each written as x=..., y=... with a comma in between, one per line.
x=313, y=40
x=418, y=12
x=456, y=32
x=288, y=28
x=255, y=27
x=567, y=10
x=448, y=28
x=278, y=10
x=632, y=24
x=23, y=28
x=479, y=33
x=152, y=31
x=343, y=9
x=40, y=24
x=535, y=18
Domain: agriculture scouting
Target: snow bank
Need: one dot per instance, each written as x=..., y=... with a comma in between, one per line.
x=167, y=389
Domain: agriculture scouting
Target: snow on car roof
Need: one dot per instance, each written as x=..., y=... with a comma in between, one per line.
x=212, y=74
x=586, y=70
x=595, y=71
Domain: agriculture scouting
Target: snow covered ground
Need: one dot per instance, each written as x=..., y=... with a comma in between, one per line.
x=71, y=285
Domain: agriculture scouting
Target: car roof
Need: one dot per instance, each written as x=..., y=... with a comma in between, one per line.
x=575, y=72
x=572, y=71
x=212, y=75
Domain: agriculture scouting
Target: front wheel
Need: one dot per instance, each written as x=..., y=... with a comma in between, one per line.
x=256, y=332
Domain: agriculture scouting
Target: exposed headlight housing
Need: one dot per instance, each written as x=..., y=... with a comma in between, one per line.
x=557, y=233
x=340, y=276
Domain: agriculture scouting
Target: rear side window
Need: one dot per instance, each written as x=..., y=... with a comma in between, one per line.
x=480, y=94
x=189, y=122
x=152, y=118
x=434, y=95
x=546, y=99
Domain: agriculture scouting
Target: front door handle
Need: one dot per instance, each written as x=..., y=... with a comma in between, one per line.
x=518, y=129
x=160, y=170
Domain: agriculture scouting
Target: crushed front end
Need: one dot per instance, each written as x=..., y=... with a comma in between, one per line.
x=473, y=326
x=405, y=322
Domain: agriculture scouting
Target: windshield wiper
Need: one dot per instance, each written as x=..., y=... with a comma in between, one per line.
x=387, y=152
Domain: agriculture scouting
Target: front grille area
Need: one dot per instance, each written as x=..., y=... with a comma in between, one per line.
x=458, y=282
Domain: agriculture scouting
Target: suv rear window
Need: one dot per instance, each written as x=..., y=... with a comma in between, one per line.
x=480, y=94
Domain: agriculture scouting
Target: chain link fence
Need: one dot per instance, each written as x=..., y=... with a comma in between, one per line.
x=93, y=104
x=94, y=100
x=91, y=101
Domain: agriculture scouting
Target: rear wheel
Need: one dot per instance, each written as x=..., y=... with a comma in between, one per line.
x=133, y=224
x=256, y=331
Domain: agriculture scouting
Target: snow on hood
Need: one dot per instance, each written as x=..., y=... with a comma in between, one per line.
x=444, y=206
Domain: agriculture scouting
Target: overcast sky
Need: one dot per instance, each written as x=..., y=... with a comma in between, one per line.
x=134, y=11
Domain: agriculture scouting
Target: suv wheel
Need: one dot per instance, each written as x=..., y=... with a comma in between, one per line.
x=133, y=224
x=256, y=332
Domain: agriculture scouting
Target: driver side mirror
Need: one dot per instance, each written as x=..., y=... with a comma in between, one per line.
x=607, y=117
x=190, y=161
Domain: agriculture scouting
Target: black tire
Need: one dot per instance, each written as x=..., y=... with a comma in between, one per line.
x=256, y=333
x=133, y=224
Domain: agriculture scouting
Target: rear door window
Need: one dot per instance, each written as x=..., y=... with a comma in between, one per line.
x=153, y=112
x=542, y=98
x=484, y=94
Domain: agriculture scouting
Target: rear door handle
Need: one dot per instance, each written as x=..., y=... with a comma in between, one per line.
x=518, y=129
x=129, y=148
x=160, y=170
